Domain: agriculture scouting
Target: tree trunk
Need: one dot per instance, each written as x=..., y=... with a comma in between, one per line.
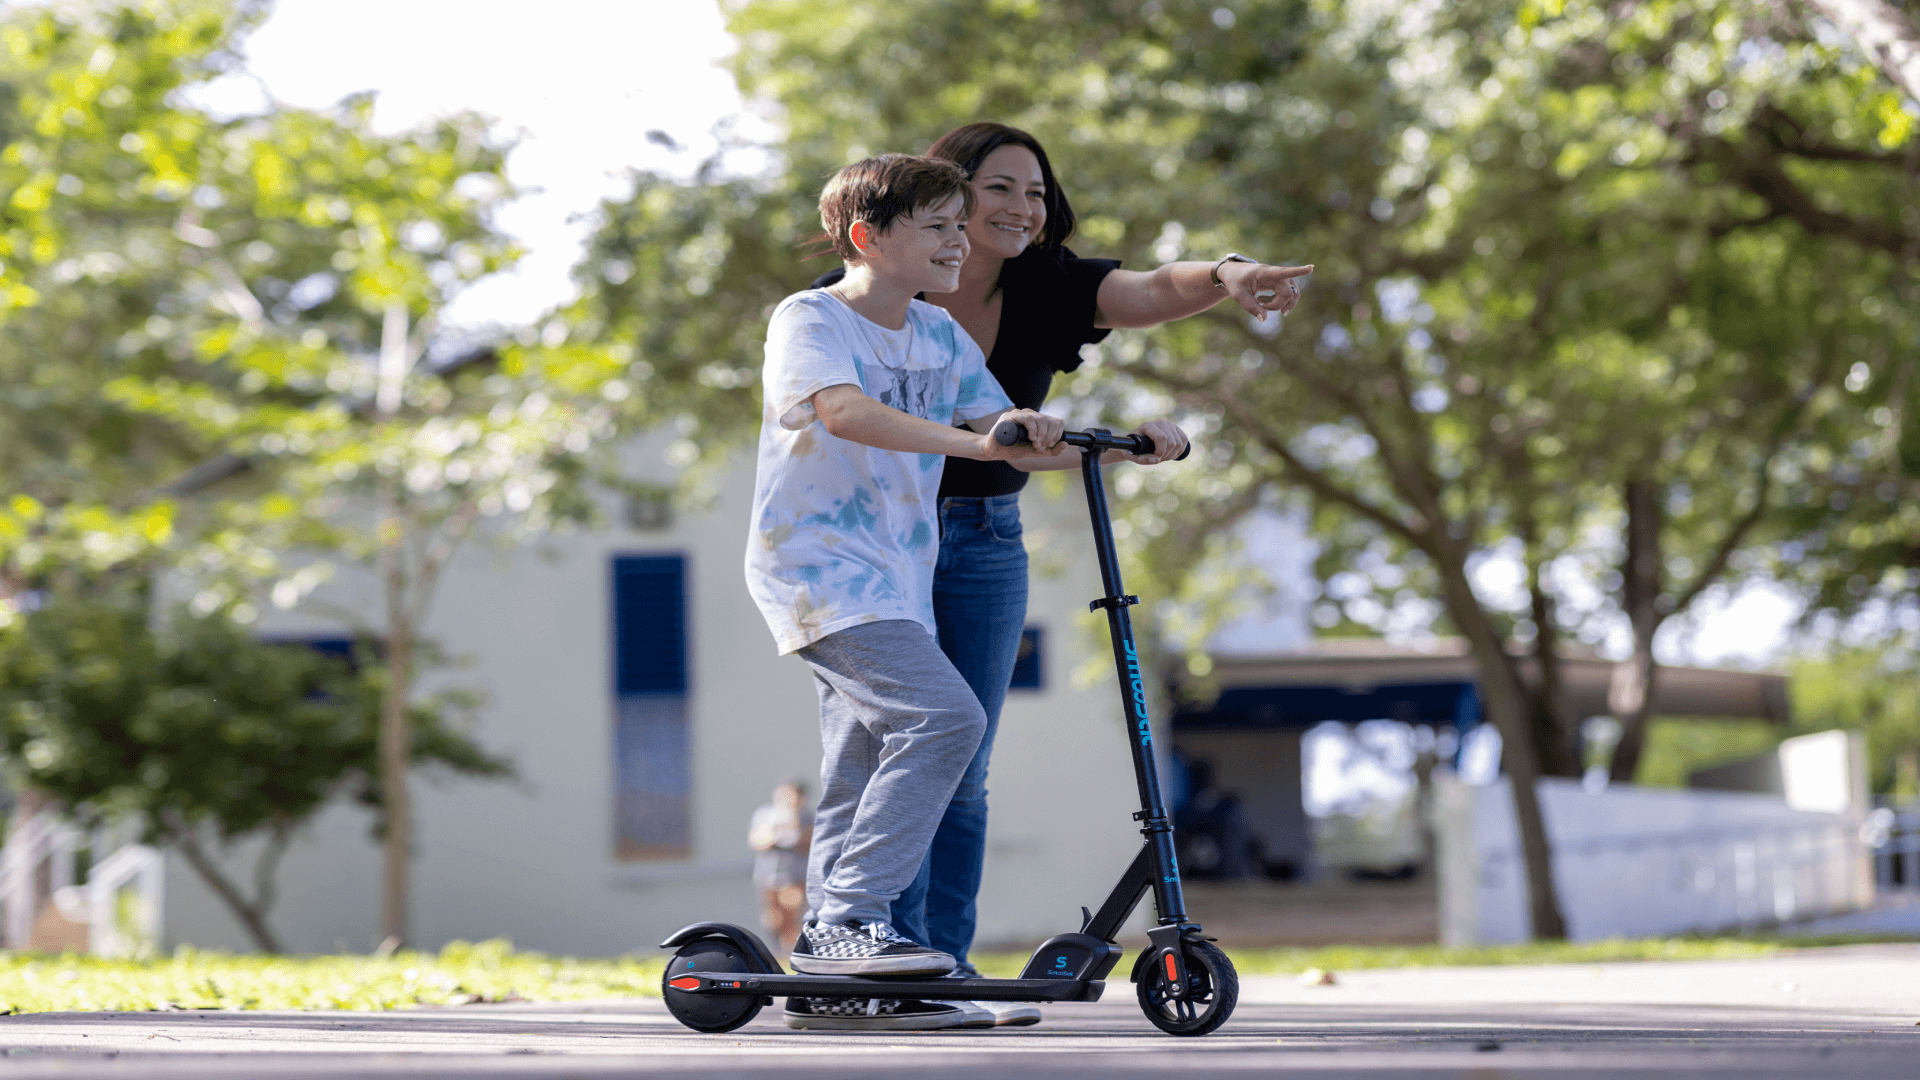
x=1506, y=708
x=1553, y=733
x=252, y=914
x=396, y=752
x=396, y=734
x=1630, y=692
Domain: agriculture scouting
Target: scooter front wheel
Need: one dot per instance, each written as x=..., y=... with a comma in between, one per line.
x=1213, y=989
x=712, y=1013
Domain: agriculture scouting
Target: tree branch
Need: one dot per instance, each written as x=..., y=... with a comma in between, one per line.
x=1313, y=479
x=1766, y=178
x=1735, y=536
x=184, y=836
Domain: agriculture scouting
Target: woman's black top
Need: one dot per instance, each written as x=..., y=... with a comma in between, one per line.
x=1046, y=314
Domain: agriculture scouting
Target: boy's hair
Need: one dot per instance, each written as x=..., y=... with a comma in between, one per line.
x=882, y=189
x=968, y=147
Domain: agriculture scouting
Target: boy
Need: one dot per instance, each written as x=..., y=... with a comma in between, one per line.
x=863, y=386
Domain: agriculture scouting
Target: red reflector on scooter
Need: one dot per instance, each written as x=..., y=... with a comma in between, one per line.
x=1172, y=975
x=687, y=983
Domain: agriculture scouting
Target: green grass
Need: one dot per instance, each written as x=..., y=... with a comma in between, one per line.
x=1355, y=957
x=459, y=974
x=464, y=973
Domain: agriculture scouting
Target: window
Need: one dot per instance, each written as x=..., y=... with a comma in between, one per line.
x=652, y=818
x=1028, y=666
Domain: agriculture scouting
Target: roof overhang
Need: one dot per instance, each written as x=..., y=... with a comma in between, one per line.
x=1336, y=678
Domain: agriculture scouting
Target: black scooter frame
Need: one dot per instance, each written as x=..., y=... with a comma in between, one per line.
x=1066, y=967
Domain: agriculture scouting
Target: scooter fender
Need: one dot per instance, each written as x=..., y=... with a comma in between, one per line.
x=1160, y=939
x=739, y=937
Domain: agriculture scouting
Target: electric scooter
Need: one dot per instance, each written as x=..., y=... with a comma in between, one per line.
x=722, y=975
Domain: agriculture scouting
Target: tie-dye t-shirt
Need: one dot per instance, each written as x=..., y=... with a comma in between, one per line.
x=845, y=533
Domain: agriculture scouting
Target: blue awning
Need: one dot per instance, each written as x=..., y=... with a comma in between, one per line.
x=1438, y=704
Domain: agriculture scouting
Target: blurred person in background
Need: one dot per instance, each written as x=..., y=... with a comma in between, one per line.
x=1030, y=303
x=780, y=835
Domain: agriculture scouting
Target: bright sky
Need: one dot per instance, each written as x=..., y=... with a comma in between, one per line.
x=581, y=81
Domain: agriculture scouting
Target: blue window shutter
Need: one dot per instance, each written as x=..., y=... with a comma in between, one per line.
x=650, y=624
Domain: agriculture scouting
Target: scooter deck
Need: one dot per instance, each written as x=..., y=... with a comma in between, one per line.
x=735, y=983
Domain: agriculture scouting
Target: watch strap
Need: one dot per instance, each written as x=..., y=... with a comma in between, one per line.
x=1231, y=256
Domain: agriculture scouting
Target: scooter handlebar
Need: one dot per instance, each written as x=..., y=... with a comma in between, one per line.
x=1012, y=432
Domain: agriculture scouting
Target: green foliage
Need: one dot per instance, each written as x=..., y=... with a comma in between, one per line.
x=221, y=345
x=218, y=286
x=183, y=285
x=1562, y=246
x=1677, y=747
x=460, y=974
x=1870, y=689
x=196, y=723
x=1875, y=689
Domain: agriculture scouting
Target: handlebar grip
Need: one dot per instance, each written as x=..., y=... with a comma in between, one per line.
x=1012, y=432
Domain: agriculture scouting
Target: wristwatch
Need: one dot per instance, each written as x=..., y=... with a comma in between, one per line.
x=1231, y=256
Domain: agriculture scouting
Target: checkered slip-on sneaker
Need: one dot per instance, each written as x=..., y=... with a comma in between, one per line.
x=1004, y=1013
x=854, y=948
x=881, y=1014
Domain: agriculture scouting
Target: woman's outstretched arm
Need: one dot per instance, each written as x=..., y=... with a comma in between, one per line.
x=1133, y=299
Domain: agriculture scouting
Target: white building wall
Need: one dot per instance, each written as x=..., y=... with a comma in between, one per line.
x=532, y=859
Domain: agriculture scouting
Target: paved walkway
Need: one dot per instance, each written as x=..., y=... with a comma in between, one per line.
x=1830, y=1013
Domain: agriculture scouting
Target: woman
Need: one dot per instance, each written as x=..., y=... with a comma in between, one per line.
x=1030, y=303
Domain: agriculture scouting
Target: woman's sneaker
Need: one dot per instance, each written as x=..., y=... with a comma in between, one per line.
x=882, y=1014
x=855, y=948
x=1004, y=1013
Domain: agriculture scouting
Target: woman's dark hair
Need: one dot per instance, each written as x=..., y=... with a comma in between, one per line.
x=969, y=145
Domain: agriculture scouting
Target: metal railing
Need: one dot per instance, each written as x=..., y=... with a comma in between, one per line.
x=1893, y=835
x=1708, y=879
x=121, y=900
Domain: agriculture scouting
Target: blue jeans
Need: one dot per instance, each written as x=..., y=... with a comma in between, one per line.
x=980, y=606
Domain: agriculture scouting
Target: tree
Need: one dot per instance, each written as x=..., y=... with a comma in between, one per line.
x=1887, y=34
x=1578, y=263
x=252, y=306
x=1853, y=549
x=98, y=172
x=365, y=446
x=199, y=727
x=1868, y=689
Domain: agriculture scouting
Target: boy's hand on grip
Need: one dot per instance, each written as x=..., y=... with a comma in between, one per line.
x=1042, y=436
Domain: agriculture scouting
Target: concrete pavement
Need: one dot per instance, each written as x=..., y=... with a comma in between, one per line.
x=1832, y=1012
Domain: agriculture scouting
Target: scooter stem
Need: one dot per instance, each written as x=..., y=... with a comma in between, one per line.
x=1168, y=899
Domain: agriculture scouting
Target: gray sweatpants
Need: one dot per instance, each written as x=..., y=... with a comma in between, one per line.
x=898, y=726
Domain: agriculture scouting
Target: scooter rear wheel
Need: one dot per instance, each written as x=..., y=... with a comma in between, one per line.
x=712, y=1013
x=1213, y=989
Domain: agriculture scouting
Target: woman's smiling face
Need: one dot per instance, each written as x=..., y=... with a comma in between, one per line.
x=1011, y=207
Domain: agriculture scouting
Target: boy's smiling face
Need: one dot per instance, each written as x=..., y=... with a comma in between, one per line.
x=919, y=252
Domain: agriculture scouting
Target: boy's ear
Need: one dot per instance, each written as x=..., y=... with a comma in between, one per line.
x=862, y=234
